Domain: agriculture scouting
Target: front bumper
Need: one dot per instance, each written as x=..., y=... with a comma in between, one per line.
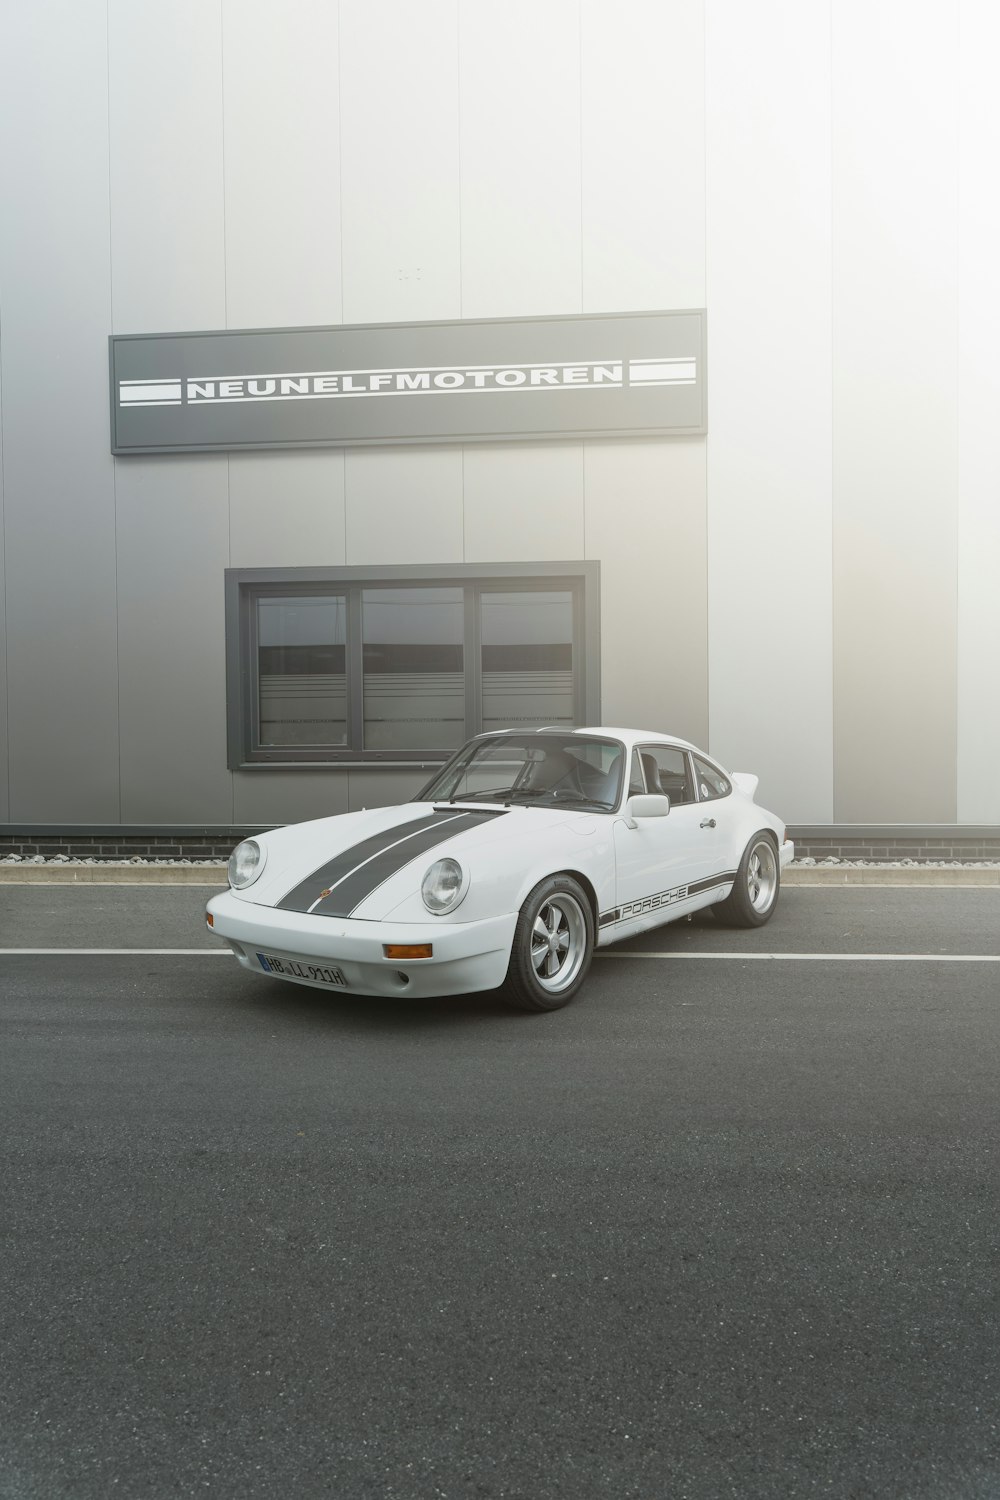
x=786, y=853
x=467, y=956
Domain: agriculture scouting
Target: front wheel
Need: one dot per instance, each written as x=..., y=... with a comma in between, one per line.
x=552, y=948
x=754, y=895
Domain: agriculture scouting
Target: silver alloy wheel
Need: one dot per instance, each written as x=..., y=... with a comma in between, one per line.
x=558, y=942
x=762, y=876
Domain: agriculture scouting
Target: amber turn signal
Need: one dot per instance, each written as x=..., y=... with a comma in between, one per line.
x=408, y=950
x=209, y=919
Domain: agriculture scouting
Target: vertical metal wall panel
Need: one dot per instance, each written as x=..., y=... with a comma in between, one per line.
x=403, y=505
x=523, y=503
x=769, y=394
x=168, y=260
x=386, y=788
x=58, y=477
x=979, y=404
x=520, y=92
x=167, y=210
x=282, y=132
x=279, y=797
x=645, y=522
x=173, y=534
x=287, y=509
x=4, y=799
x=282, y=249
x=399, y=156
x=895, y=340
x=642, y=116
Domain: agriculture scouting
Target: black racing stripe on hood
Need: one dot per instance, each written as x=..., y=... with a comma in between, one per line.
x=354, y=874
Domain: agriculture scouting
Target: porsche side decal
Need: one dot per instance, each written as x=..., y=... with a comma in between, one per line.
x=660, y=899
x=339, y=887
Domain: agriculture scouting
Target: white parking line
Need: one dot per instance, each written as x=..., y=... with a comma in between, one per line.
x=819, y=958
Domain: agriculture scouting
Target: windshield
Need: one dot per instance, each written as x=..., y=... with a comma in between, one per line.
x=534, y=770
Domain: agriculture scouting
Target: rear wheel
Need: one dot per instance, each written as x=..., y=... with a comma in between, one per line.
x=754, y=895
x=552, y=948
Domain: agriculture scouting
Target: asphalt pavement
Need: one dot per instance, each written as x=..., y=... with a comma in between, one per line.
x=727, y=1226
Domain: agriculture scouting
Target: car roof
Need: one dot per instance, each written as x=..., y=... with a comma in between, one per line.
x=629, y=737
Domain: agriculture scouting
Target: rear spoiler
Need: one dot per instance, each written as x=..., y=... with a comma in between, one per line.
x=747, y=782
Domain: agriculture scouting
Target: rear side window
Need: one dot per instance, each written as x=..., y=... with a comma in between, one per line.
x=666, y=770
x=711, y=782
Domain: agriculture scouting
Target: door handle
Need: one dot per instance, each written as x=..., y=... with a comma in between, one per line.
x=707, y=823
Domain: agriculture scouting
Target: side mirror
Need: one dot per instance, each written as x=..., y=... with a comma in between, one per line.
x=648, y=805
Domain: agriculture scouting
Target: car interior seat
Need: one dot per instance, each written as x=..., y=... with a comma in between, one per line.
x=652, y=772
x=558, y=771
x=601, y=786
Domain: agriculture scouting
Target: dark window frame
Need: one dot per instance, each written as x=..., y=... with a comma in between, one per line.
x=244, y=586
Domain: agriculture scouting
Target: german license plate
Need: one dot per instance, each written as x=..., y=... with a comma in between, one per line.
x=294, y=968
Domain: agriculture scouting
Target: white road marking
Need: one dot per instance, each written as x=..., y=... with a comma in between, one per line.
x=821, y=958
x=830, y=958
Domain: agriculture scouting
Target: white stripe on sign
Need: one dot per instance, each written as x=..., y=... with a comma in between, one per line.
x=154, y=390
x=830, y=958
x=649, y=374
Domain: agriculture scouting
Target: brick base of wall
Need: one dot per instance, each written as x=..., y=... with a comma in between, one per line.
x=818, y=842
x=110, y=846
x=897, y=843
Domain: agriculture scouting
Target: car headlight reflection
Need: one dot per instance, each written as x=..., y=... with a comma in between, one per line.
x=245, y=864
x=443, y=887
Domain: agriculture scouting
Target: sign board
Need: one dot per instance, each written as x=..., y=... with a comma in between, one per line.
x=607, y=375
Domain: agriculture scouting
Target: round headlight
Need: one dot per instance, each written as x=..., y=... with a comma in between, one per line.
x=443, y=886
x=245, y=864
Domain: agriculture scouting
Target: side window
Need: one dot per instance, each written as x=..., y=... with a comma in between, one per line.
x=667, y=771
x=636, y=785
x=711, y=782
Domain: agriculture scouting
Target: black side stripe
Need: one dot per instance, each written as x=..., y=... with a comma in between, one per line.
x=705, y=885
x=661, y=900
x=338, y=887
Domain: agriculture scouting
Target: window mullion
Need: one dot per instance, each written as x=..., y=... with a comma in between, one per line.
x=250, y=676
x=582, y=709
x=473, y=665
x=355, y=673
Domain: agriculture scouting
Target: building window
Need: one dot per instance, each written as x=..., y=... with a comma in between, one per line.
x=353, y=666
x=301, y=695
x=413, y=654
x=527, y=658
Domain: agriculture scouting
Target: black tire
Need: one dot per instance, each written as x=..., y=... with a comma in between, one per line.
x=555, y=927
x=755, y=891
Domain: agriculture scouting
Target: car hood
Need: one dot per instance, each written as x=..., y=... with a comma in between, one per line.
x=357, y=864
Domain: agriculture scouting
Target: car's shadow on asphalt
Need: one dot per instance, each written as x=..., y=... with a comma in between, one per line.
x=300, y=1004
x=292, y=1004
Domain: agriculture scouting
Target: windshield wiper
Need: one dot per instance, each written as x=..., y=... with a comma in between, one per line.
x=571, y=799
x=498, y=796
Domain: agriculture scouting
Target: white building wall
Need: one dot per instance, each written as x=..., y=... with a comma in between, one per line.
x=814, y=580
x=978, y=408
x=642, y=141
x=895, y=193
x=168, y=272
x=520, y=158
x=58, y=476
x=283, y=245
x=770, y=473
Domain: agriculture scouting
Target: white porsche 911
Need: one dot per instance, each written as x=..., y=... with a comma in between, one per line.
x=525, y=852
